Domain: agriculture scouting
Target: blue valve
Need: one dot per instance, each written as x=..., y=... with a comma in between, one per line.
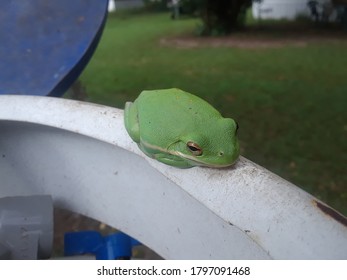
x=114, y=246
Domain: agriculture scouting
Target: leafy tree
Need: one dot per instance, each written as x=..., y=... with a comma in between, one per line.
x=220, y=16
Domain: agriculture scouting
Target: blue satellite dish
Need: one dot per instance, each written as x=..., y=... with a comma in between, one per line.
x=45, y=45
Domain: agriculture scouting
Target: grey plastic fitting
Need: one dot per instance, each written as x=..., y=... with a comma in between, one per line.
x=26, y=227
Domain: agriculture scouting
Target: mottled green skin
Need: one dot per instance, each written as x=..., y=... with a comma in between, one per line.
x=162, y=122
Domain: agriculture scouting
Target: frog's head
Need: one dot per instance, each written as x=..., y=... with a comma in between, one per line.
x=214, y=146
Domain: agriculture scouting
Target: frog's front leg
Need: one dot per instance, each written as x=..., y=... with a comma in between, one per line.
x=172, y=160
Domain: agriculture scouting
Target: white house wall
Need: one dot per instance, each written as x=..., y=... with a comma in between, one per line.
x=281, y=9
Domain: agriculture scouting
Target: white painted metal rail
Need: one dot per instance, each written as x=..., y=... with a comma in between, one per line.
x=81, y=154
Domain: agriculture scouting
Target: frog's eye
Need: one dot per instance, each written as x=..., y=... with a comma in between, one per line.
x=194, y=148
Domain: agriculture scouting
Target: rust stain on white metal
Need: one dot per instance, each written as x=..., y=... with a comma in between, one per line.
x=331, y=212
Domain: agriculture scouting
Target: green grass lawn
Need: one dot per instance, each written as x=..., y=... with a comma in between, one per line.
x=290, y=102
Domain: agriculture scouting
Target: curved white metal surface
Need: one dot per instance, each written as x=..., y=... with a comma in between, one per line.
x=81, y=154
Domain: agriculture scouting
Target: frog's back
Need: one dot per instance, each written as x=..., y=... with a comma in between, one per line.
x=169, y=103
